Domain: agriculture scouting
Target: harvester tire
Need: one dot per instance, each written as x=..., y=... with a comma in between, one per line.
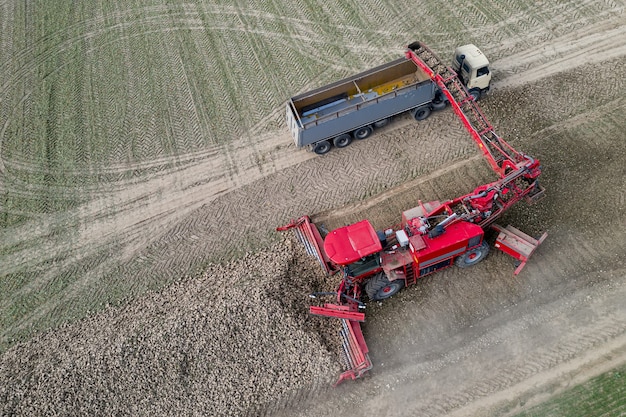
x=322, y=147
x=472, y=256
x=421, y=113
x=380, y=288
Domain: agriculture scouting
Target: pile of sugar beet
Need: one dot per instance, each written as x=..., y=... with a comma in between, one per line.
x=236, y=341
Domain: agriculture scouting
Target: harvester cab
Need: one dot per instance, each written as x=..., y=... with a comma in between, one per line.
x=356, y=248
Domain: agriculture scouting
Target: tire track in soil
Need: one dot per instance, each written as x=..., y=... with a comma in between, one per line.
x=548, y=303
x=401, y=189
x=133, y=214
x=594, y=44
x=540, y=387
x=164, y=13
x=522, y=345
x=130, y=230
x=127, y=218
x=151, y=164
x=575, y=341
x=146, y=24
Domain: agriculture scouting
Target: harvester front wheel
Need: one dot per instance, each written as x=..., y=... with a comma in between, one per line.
x=380, y=288
x=472, y=256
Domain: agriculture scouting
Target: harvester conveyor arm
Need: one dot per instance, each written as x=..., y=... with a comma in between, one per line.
x=500, y=155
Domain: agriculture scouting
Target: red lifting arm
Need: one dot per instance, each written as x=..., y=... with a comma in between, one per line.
x=501, y=156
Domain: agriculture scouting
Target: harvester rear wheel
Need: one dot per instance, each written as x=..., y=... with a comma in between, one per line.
x=472, y=256
x=380, y=288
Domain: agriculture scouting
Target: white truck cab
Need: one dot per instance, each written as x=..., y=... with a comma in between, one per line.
x=472, y=67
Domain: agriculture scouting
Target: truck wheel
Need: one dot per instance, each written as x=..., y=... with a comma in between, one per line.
x=439, y=102
x=382, y=123
x=421, y=113
x=363, y=132
x=472, y=256
x=380, y=288
x=475, y=93
x=342, y=141
x=322, y=147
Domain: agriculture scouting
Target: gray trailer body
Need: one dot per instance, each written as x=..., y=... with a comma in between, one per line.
x=357, y=101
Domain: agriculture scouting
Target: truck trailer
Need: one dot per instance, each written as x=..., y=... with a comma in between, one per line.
x=337, y=113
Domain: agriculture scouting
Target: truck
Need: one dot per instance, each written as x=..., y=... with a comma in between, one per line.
x=352, y=108
x=376, y=264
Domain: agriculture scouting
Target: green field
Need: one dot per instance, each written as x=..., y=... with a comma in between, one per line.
x=604, y=395
x=99, y=97
x=120, y=121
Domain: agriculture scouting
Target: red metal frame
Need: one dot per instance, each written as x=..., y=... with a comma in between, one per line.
x=337, y=311
x=517, y=244
x=355, y=349
x=483, y=134
x=356, y=352
x=448, y=245
x=310, y=237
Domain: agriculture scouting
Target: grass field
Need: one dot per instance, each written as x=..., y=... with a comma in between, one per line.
x=101, y=96
x=120, y=121
x=604, y=395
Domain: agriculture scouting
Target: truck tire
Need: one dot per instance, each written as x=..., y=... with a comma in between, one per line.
x=380, y=288
x=472, y=256
x=421, y=113
x=322, y=147
x=342, y=141
x=363, y=132
x=439, y=101
x=382, y=123
x=475, y=93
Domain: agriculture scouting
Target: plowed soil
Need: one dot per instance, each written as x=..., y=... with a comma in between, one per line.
x=179, y=298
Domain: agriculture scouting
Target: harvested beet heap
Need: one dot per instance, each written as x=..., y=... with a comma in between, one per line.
x=234, y=342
